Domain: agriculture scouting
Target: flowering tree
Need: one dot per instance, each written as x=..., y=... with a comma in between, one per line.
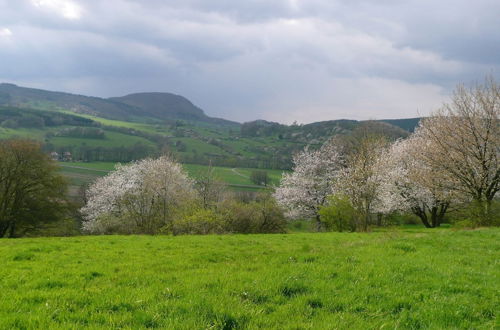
x=409, y=184
x=306, y=189
x=141, y=197
x=462, y=141
x=360, y=180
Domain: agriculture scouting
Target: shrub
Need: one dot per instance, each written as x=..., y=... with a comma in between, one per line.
x=476, y=214
x=260, y=177
x=260, y=216
x=201, y=222
x=338, y=214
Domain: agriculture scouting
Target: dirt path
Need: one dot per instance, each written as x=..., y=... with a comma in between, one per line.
x=84, y=168
x=240, y=174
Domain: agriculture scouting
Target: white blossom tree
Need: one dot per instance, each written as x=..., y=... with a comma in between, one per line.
x=141, y=197
x=462, y=141
x=410, y=185
x=306, y=189
x=361, y=179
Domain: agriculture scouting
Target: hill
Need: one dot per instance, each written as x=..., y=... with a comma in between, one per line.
x=407, y=279
x=138, y=107
x=168, y=106
x=407, y=124
x=12, y=95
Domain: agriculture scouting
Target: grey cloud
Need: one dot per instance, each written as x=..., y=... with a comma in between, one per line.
x=284, y=60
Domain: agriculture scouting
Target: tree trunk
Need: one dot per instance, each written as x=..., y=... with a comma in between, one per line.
x=434, y=217
x=442, y=210
x=12, y=230
x=422, y=215
x=318, y=223
x=3, y=230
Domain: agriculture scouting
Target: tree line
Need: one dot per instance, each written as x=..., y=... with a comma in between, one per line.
x=450, y=161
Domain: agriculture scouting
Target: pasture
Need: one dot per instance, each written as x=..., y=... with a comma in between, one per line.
x=398, y=278
x=80, y=173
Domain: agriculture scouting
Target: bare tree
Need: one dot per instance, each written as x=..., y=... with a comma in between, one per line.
x=210, y=187
x=462, y=141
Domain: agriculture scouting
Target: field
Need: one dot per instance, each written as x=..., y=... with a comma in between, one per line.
x=80, y=173
x=400, y=278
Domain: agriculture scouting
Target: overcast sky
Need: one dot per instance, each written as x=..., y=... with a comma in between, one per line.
x=281, y=60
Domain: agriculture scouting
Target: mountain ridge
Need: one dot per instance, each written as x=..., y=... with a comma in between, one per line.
x=155, y=105
x=122, y=107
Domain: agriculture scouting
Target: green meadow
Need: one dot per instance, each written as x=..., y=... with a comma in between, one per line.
x=81, y=173
x=398, y=278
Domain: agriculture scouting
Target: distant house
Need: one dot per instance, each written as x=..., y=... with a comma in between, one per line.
x=67, y=156
x=54, y=155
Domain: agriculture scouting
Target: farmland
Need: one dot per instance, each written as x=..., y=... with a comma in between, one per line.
x=81, y=173
x=396, y=278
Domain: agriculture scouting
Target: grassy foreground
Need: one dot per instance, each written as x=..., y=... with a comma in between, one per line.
x=412, y=278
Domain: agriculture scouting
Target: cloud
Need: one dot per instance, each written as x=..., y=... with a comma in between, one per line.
x=67, y=9
x=5, y=32
x=281, y=60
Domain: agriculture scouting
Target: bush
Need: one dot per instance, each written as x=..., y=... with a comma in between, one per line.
x=397, y=218
x=338, y=214
x=260, y=178
x=260, y=216
x=474, y=215
x=201, y=222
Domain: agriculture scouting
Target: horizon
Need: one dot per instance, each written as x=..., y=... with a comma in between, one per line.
x=204, y=111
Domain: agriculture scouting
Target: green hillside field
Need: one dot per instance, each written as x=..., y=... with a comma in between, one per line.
x=398, y=278
x=81, y=173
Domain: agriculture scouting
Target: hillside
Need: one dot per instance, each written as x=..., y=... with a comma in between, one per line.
x=168, y=106
x=12, y=95
x=122, y=129
x=138, y=107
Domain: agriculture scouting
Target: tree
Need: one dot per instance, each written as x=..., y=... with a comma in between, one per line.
x=408, y=184
x=305, y=190
x=210, y=188
x=260, y=177
x=32, y=193
x=360, y=180
x=462, y=141
x=142, y=197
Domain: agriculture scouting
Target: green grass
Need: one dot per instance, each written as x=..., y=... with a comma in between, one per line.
x=413, y=278
x=81, y=172
x=148, y=128
x=23, y=133
x=237, y=176
x=112, y=139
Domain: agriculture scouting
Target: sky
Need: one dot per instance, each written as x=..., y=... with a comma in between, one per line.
x=279, y=60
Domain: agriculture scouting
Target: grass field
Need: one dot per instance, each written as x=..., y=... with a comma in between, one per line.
x=112, y=139
x=80, y=173
x=406, y=278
